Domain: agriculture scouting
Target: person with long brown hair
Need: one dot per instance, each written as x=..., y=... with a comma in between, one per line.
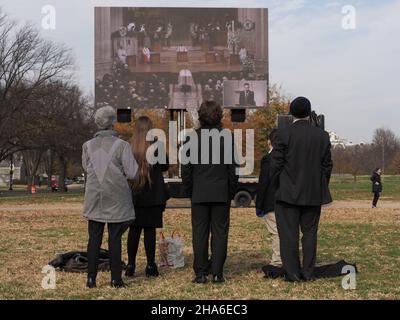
x=149, y=196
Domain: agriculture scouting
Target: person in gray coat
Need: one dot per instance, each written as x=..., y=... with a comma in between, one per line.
x=109, y=163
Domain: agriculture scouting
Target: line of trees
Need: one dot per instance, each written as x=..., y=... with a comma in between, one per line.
x=43, y=114
x=383, y=152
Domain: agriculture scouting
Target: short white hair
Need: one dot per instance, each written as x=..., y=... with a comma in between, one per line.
x=105, y=117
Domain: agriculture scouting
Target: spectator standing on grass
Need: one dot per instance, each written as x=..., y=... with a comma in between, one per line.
x=108, y=162
x=150, y=196
x=376, y=186
x=211, y=185
x=301, y=161
x=265, y=201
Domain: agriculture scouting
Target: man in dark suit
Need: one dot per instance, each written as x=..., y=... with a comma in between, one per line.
x=211, y=187
x=302, y=165
x=246, y=96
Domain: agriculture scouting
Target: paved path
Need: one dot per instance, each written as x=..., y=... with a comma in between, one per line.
x=182, y=203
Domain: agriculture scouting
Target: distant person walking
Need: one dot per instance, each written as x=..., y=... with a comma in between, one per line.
x=376, y=186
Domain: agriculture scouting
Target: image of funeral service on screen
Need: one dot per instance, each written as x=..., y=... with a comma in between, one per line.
x=173, y=59
x=183, y=158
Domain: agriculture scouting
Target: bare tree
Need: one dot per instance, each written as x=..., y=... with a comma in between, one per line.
x=340, y=156
x=387, y=144
x=68, y=124
x=31, y=160
x=27, y=62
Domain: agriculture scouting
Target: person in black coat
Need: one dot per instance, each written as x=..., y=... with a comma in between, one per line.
x=302, y=165
x=211, y=187
x=149, y=197
x=246, y=97
x=265, y=201
x=376, y=186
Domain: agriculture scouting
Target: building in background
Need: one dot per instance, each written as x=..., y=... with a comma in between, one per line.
x=337, y=141
x=5, y=167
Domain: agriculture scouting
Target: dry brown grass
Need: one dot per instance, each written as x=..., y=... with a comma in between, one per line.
x=32, y=236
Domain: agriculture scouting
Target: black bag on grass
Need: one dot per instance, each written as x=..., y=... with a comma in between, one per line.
x=76, y=261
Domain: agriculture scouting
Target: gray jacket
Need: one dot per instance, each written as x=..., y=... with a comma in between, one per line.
x=108, y=162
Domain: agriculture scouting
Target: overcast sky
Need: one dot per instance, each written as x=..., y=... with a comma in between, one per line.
x=351, y=76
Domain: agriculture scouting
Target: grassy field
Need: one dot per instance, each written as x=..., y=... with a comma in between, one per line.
x=345, y=188
x=29, y=238
x=342, y=188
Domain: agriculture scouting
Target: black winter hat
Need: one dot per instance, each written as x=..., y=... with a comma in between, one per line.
x=300, y=107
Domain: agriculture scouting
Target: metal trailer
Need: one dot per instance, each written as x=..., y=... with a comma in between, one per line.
x=245, y=193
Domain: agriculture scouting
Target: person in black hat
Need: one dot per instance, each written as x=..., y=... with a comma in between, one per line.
x=301, y=164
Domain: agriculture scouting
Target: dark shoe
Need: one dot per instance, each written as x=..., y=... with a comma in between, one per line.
x=218, y=279
x=130, y=270
x=208, y=270
x=273, y=272
x=309, y=278
x=152, y=271
x=91, y=283
x=118, y=284
x=200, y=279
x=293, y=278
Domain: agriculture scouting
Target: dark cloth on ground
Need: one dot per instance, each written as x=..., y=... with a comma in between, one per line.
x=77, y=261
x=322, y=271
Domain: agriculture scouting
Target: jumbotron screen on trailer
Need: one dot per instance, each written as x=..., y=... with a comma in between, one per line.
x=175, y=58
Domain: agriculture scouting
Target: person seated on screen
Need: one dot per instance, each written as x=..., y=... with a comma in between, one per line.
x=246, y=97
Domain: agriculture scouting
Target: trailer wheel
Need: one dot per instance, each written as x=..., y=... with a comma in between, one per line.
x=242, y=199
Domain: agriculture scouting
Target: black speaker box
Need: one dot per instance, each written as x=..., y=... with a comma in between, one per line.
x=238, y=115
x=124, y=115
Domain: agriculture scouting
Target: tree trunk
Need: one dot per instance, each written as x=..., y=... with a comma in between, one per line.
x=63, y=173
x=31, y=159
x=48, y=160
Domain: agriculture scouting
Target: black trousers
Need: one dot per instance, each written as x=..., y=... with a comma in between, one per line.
x=290, y=219
x=206, y=218
x=115, y=232
x=149, y=244
x=376, y=198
